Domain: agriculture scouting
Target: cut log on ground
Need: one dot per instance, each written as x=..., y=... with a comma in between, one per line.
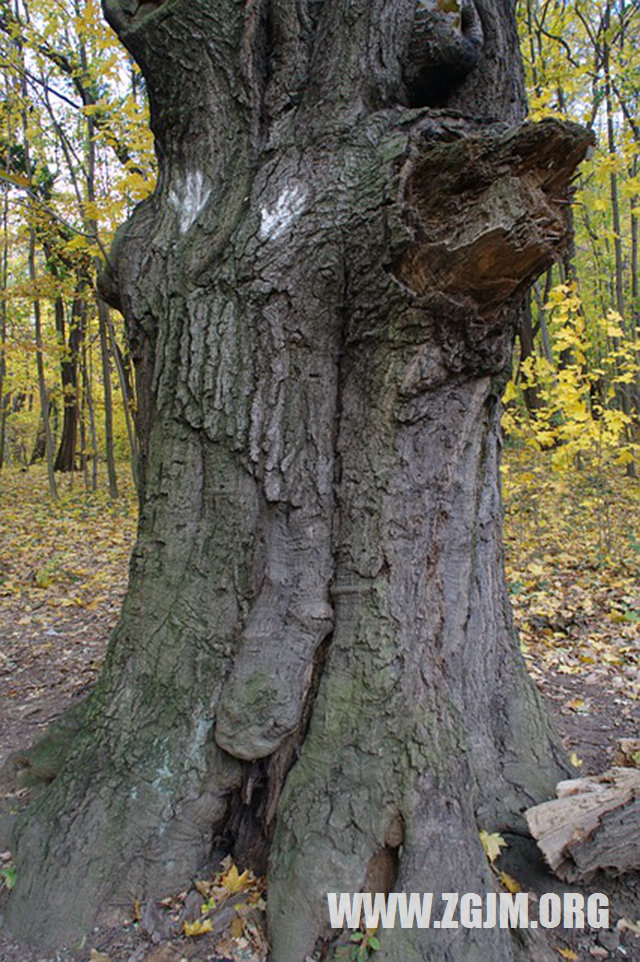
x=593, y=824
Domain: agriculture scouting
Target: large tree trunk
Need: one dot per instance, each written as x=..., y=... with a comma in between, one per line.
x=316, y=666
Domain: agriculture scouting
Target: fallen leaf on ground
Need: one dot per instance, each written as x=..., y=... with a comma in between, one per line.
x=492, y=845
x=234, y=882
x=199, y=927
x=510, y=883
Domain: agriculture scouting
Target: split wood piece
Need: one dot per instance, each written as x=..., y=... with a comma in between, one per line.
x=593, y=824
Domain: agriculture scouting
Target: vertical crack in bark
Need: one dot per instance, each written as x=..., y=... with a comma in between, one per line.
x=246, y=831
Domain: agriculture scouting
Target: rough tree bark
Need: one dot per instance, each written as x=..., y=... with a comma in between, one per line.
x=316, y=666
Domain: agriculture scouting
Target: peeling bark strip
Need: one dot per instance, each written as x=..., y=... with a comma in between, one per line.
x=316, y=667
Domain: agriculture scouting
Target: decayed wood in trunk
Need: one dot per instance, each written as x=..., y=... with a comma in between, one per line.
x=593, y=824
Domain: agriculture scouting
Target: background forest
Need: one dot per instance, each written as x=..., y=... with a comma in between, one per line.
x=76, y=155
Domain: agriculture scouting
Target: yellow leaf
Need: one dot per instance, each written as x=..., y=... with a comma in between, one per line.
x=492, y=845
x=510, y=392
x=575, y=761
x=18, y=179
x=568, y=954
x=614, y=330
x=77, y=243
x=199, y=927
x=569, y=669
x=609, y=657
x=234, y=882
x=236, y=928
x=576, y=704
x=510, y=883
x=98, y=956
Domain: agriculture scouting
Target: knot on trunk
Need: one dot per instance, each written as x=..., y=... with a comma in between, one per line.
x=446, y=42
x=468, y=342
x=122, y=15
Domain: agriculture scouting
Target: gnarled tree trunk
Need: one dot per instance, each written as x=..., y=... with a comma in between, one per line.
x=316, y=666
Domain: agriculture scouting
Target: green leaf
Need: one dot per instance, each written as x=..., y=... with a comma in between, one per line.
x=8, y=876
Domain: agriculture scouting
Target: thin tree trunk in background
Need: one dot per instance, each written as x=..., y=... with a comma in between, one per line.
x=625, y=389
x=83, y=439
x=541, y=300
x=71, y=347
x=527, y=349
x=37, y=317
x=108, y=398
x=533, y=52
x=614, y=194
x=81, y=312
x=101, y=306
x=102, y=309
x=42, y=385
x=102, y=316
x=126, y=397
x=88, y=394
x=635, y=291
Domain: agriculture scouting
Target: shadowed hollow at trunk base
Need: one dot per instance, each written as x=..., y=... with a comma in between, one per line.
x=316, y=667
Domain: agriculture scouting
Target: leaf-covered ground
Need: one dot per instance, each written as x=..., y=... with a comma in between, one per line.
x=63, y=573
x=573, y=566
x=572, y=544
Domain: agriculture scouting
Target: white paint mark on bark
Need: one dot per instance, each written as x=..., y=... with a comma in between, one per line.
x=274, y=221
x=202, y=729
x=164, y=775
x=188, y=198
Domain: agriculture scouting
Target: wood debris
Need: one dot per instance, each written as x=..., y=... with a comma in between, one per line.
x=593, y=824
